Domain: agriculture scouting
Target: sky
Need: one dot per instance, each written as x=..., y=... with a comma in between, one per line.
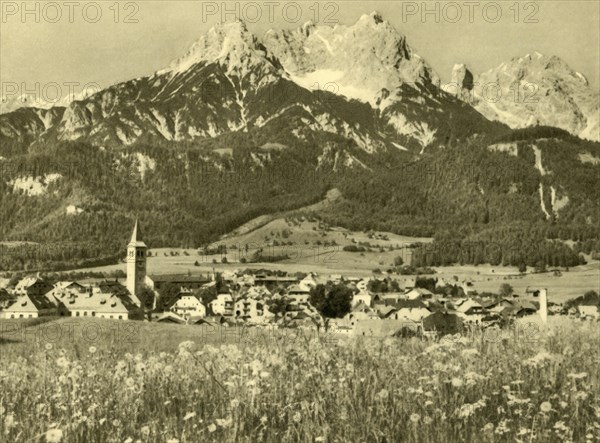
x=96, y=43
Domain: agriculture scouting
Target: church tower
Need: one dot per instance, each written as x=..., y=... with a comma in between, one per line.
x=136, y=263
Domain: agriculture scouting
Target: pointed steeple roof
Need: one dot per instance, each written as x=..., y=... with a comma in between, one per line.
x=136, y=236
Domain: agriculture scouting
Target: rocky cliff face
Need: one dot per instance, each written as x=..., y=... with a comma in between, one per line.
x=532, y=90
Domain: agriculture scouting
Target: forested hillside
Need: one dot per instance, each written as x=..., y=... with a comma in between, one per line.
x=481, y=204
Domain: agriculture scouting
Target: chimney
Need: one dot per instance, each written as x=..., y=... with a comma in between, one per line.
x=543, y=305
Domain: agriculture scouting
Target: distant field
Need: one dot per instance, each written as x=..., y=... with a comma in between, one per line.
x=167, y=383
x=308, y=253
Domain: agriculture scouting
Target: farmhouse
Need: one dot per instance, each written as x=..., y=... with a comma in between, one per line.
x=100, y=304
x=62, y=291
x=471, y=311
x=30, y=306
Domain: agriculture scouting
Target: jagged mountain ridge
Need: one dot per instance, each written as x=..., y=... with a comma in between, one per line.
x=229, y=81
x=532, y=90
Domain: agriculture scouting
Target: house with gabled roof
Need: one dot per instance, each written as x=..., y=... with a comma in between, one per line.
x=32, y=285
x=419, y=293
x=471, y=311
x=409, y=310
x=64, y=290
x=499, y=305
x=360, y=312
x=30, y=306
x=170, y=317
x=188, y=305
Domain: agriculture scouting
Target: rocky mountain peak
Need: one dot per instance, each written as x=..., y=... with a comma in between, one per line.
x=228, y=43
x=372, y=18
x=534, y=89
x=357, y=60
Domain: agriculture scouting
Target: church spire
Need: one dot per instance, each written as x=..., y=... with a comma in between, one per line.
x=136, y=235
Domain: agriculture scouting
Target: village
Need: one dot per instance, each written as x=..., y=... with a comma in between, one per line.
x=373, y=306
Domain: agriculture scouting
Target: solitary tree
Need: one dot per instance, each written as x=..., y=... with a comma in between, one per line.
x=332, y=301
x=506, y=290
x=398, y=261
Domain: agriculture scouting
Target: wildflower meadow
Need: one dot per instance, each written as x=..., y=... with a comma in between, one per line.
x=174, y=385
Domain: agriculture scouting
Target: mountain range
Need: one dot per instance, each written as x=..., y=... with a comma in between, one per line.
x=299, y=112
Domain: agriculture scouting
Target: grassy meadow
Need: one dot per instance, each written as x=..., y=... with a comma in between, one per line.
x=102, y=381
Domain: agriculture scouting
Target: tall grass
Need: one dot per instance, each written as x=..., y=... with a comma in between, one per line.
x=287, y=388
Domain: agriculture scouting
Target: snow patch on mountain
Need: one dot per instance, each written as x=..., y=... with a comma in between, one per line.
x=542, y=203
x=538, y=160
x=557, y=202
x=510, y=148
x=402, y=148
x=73, y=210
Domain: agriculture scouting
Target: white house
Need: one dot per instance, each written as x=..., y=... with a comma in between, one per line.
x=222, y=305
x=362, y=297
x=188, y=305
x=253, y=310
